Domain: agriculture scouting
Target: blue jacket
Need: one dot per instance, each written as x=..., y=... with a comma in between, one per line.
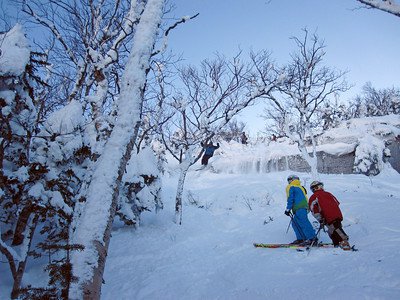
x=210, y=148
x=296, y=196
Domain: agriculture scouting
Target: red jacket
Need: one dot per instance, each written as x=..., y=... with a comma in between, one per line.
x=324, y=204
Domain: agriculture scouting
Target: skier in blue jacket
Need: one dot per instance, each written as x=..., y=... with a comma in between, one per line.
x=297, y=208
x=208, y=152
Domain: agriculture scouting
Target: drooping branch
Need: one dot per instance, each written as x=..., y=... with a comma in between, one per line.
x=388, y=6
x=166, y=33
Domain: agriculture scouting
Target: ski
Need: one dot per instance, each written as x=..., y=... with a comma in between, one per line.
x=292, y=246
x=299, y=247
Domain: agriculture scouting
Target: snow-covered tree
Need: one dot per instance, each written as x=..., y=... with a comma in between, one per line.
x=209, y=97
x=32, y=195
x=389, y=6
x=376, y=102
x=233, y=131
x=306, y=84
x=94, y=220
x=87, y=50
x=141, y=183
x=332, y=113
x=89, y=105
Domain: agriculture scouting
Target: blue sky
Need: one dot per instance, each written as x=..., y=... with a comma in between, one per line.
x=365, y=42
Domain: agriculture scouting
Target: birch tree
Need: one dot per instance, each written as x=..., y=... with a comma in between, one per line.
x=102, y=195
x=209, y=97
x=86, y=38
x=306, y=85
x=389, y=6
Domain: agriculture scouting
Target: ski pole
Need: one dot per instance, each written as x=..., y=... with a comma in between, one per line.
x=315, y=239
x=290, y=222
x=316, y=236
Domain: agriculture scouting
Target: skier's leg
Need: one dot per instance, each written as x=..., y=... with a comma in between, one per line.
x=331, y=232
x=337, y=233
x=305, y=225
x=297, y=229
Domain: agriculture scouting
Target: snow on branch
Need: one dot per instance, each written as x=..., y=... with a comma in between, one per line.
x=388, y=6
x=11, y=255
x=131, y=19
x=182, y=20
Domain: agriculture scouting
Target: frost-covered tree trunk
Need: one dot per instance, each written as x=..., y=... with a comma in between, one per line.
x=389, y=6
x=93, y=226
x=184, y=168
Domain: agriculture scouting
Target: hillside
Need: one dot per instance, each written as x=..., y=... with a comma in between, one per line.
x=210, y=256
x=230, y=205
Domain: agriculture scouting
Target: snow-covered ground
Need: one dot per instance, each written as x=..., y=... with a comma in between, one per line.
x=211, y=256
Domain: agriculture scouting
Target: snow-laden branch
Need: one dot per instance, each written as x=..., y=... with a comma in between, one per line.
x=165, y=39
x=389, y=6
x=131, y=19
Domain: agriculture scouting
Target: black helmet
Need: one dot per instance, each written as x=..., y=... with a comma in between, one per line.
x=292, y=177
x=316, y=184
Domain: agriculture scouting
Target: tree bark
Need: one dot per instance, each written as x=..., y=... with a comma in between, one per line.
x=179, y=193
x=17, y=276
x=386, y=6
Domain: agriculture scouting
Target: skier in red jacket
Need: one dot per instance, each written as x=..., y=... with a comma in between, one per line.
x=325, y=208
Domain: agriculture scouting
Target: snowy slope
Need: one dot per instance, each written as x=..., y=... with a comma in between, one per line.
x=210, y=256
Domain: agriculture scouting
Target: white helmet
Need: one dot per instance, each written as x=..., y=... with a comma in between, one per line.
x=316, y=184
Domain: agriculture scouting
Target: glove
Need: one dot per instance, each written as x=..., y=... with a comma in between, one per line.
x=287, y=212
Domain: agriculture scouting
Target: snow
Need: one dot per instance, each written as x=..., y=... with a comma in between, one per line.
x=36, y=190
x=354, y=129
x=142, y=163
x=57, y=202
x=66, y=119
x=14, y=52
x=211, y=256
